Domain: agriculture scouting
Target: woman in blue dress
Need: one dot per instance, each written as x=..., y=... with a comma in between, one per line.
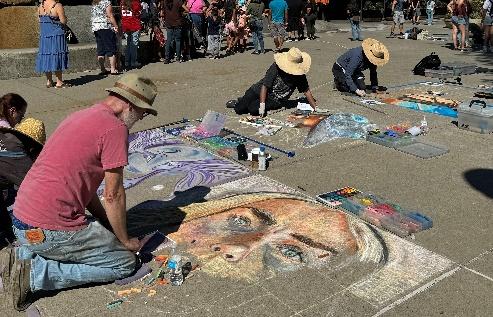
x=53, y=49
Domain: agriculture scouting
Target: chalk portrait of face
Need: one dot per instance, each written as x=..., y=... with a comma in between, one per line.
x=276, y=234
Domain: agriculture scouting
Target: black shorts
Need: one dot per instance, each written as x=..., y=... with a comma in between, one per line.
x=105, y=42
x=293, y=24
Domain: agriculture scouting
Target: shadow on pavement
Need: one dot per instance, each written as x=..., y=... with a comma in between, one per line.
x=481, y=179
x=165, y=216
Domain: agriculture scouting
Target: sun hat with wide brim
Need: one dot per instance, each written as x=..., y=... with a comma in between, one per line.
x=376, y=52
x=29, y=130
x=140, y=91
x=294, y=61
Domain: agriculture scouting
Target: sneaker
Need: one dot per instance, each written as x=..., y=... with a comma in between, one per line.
x=289, y=40
x=7, y=258
x=21, y=285
x=166, y=61
x=231, y=103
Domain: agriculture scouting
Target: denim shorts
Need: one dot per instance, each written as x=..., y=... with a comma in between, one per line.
x=458, y=20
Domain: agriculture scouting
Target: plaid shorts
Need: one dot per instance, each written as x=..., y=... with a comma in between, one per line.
x=278, y=30
x=398, y=17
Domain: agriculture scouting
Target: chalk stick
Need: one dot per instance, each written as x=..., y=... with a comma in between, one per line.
x=143, y=271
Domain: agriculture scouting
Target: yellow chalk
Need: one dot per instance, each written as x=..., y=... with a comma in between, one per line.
x=124, y=292
x=151, y=293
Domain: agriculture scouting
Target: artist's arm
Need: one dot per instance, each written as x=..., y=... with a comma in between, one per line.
x=393, y=5
x=115, y=203
x=310, y=99
x=286, y=15
x=373, y=77
x=97, y=210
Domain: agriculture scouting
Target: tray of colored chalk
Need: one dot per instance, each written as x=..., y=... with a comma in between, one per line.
x=390, y=138
x=377, y=211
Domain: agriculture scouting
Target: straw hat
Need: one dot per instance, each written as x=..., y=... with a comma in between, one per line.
x=376, y=52
x=139, y=90
x=30, y=130
x=294, y=61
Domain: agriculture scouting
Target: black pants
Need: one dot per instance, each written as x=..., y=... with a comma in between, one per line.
x=250, y=103
x=340, y=79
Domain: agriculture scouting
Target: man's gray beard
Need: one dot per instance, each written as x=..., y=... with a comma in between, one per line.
x=130, y=119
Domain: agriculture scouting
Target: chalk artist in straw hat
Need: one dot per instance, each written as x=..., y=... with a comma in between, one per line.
x=286, y=74
x=88, y=147
x=348, y=69
x=19, y=147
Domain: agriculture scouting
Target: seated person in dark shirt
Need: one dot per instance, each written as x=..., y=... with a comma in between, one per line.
x=348, y=69
x=282, y=78
x=19, y=147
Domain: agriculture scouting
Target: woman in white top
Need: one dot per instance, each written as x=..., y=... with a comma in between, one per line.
x=105, y=28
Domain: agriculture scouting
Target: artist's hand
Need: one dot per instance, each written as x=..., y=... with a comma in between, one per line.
x=132, y=244
x=360, y=92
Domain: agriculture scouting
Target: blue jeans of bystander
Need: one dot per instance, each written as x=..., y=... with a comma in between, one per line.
x=257, y=26
x=71, y=258
x=429, y=13
x=173, y=36
x=132, y=46
x=355, y=30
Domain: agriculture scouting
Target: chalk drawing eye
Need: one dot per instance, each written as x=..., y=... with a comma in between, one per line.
x=239, y=221
x=291, y=252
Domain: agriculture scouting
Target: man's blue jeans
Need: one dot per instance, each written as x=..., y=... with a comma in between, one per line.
x=429, y=13
x=173, y=36
x=257, y=27
x=355, y=30
x=71, y=258
x=132, y=46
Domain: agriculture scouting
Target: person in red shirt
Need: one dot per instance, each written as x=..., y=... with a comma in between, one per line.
x=131, y=27
x=61, y=246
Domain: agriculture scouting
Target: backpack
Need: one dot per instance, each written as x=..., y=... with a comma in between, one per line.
x=431, y=61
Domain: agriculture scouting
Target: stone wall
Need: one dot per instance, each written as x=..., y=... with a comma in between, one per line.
x=19, y=27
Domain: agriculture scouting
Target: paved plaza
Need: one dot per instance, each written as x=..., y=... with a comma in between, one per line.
x=445, y=271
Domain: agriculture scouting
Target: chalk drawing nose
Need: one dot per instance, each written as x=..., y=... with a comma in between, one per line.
x=230, y=252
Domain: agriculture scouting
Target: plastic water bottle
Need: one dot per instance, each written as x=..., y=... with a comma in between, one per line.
x=176, y=273
x=424, y=125
x=262, y=160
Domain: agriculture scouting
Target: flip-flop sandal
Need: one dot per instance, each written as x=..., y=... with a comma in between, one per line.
x=116, y=73
x=64, y=85
x=104, y=73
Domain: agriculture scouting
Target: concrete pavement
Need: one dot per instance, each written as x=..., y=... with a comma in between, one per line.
x=462, y=232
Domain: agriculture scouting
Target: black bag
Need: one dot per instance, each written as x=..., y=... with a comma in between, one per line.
x=70, y=36
x=431, y=61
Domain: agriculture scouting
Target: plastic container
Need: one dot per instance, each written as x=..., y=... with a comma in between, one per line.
x=262, y=159
x=459, y=68
x=423, y=150
x=176, y=274
x=391, y=141
x=476, y=116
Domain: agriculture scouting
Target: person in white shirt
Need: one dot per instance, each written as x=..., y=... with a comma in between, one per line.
x=487, y=25
x=430, y=10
